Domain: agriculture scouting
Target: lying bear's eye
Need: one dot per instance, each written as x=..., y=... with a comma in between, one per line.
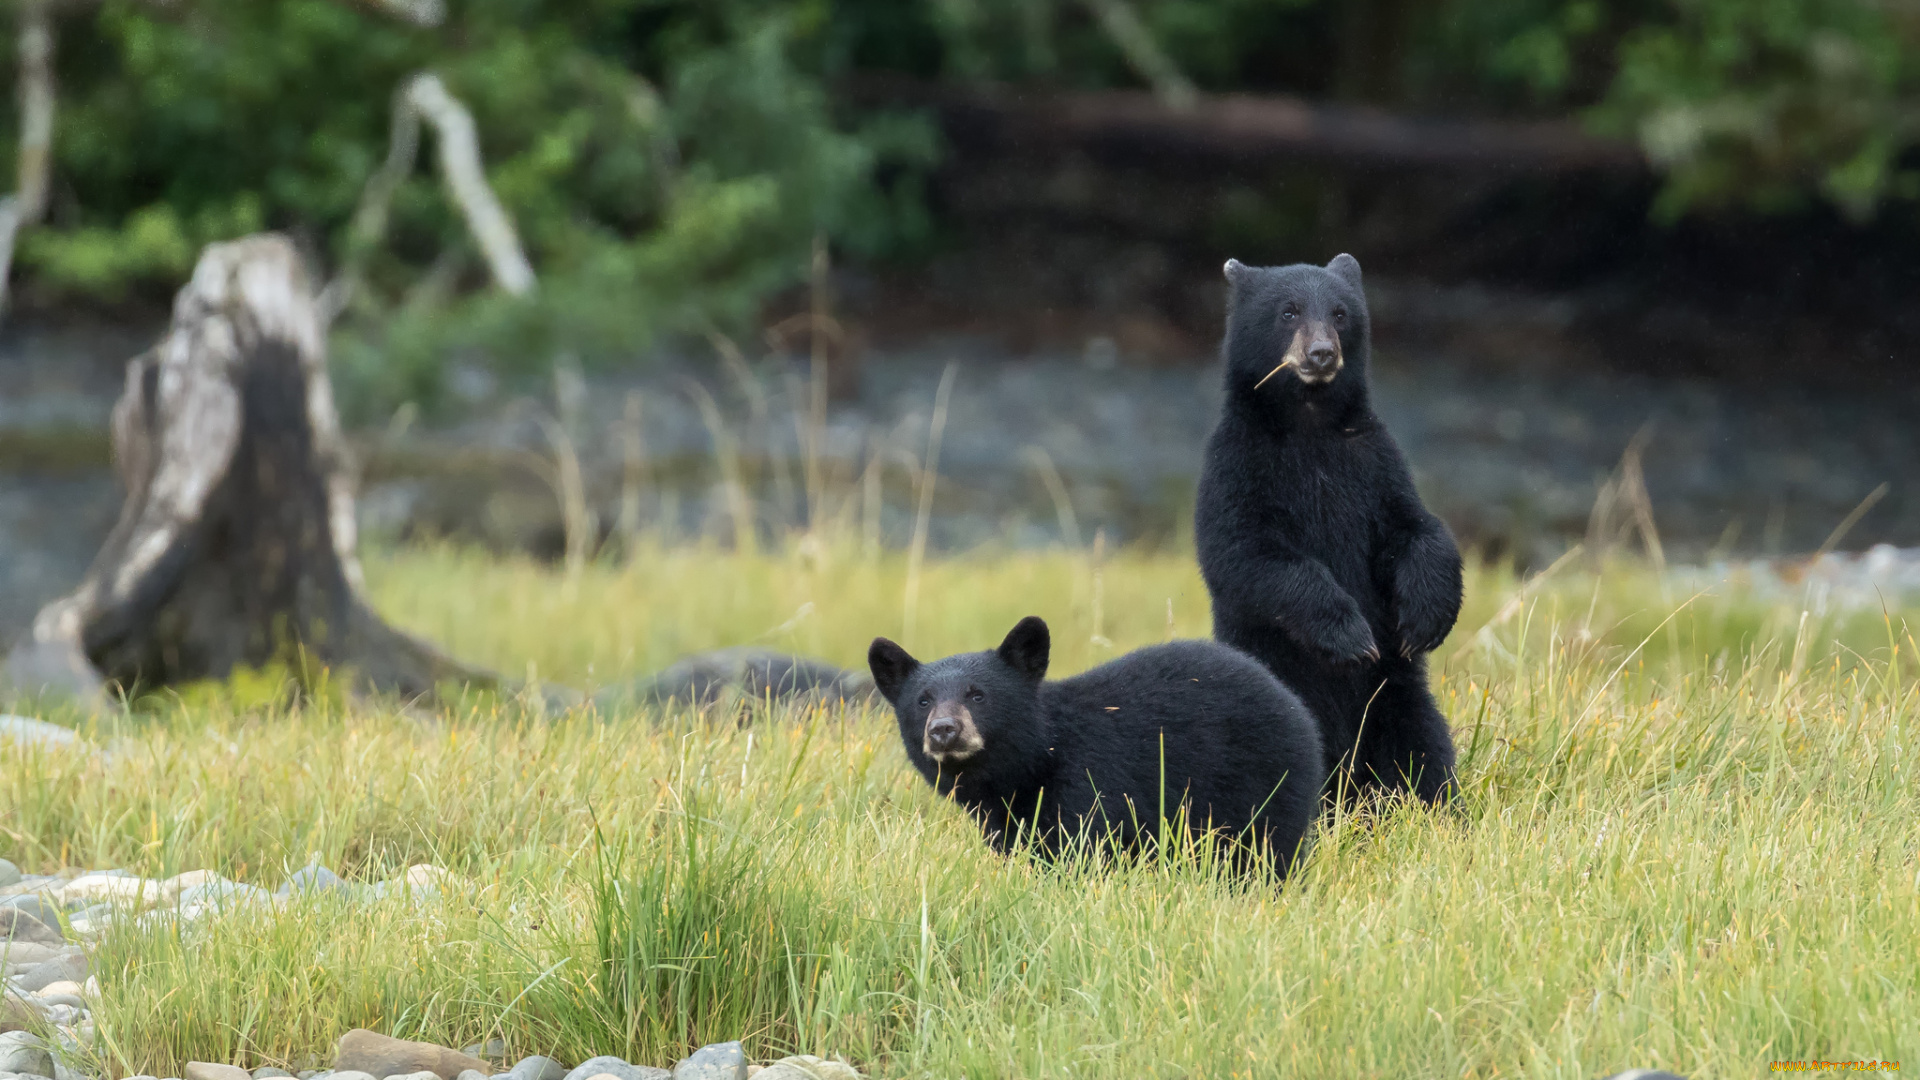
x=1339, y=316
x=1286, y=316
x=926, y=700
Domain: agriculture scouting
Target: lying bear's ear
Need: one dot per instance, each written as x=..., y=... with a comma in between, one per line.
x=1234, y=270
x=892, y=666
x=1347, y=267
x=1027, y=646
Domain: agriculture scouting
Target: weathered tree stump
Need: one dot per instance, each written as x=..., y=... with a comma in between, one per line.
x=236, y=544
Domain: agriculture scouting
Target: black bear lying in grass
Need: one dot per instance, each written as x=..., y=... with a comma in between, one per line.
x=1322, y=561
x=1044, y=762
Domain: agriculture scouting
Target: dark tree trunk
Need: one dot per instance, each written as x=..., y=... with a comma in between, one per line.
x=236, y=544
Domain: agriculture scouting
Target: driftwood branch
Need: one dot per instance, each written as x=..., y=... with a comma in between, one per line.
x=28, y=204
x=236, y=544
x=424, y=97
x=1144, y=54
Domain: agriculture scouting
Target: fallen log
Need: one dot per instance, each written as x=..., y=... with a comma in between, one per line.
x=1246, y=127
x=236, y=544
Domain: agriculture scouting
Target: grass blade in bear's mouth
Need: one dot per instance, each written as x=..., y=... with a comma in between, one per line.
x=1284, y=364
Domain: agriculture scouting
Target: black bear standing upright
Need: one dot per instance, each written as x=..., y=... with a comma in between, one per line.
x=1047, y=759
x=1321, y=559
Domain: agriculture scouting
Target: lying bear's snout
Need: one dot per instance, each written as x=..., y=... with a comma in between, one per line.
x=950, y=734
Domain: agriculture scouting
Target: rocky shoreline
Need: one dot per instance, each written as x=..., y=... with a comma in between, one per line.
x=47, y=921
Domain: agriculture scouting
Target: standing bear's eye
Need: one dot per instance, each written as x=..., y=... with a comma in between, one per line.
x=975, y=695
x=1287, y=316
x=1339, y=315
x=926, y=701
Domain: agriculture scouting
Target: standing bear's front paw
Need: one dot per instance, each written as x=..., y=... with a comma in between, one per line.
x=1349, y=641
x=1422, y=629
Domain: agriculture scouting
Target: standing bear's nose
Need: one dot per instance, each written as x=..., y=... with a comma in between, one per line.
x=942, y=733
x=1321, y=355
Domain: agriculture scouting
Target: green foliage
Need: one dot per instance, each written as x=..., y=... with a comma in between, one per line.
x=667, y=165
x=1770, y=101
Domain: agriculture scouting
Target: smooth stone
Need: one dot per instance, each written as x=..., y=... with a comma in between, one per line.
x=471, y=1074
x=40, y=976
x=266, y=1071
x=61, y=997
x=26, y=953
x=220, y=890
x=209, y=1070
x=716, y=1061
x=537, y=1068
x=617, y=1068
x=39, y=905
x=61, y=1072
x=314, y=879
x=349, y=1074
x=112, y=886
x=20, y=927
x=28, y=731
x=24, y=1052
x=9, y=874
x=422, y=1075
x=383, y=1055
x=171, y=888
x=808, y=1067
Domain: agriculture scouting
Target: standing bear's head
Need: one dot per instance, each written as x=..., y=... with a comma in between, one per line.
x=1296, y=332
x=974, y=717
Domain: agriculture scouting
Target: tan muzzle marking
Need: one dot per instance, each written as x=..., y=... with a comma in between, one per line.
x=964, y=743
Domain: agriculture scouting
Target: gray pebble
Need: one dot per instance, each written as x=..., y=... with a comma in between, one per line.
x=471, y=1074
x=265, y=1071
x=37, y=905
x=538, y=1068
x=427, y=1075
x=40, y=976
x=45, y=1000
x=350, y=1074
x=24, y=1052
x=308, y=1074
x=314, y=879
x=718, y=1061
x=595, y=1066
x=9, y=874
x=61, y=1072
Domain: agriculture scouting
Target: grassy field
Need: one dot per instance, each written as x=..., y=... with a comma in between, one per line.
x=1687, y=838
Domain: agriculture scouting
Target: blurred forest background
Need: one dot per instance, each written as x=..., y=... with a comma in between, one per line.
x=1689, y=219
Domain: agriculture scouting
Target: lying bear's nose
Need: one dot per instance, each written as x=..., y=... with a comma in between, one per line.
x=1320, y=356
x=942, y=733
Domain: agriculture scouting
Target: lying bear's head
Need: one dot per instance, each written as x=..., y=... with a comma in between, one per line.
x=970, y=713
x=1299, y=326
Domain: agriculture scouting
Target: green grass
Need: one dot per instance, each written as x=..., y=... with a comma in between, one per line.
x=1687, y=837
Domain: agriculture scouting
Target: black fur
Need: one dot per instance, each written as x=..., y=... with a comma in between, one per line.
x=1321, y=559
x=1235, y=746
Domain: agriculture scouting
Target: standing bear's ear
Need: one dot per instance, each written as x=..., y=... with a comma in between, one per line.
x=1234, y=270
x=892, y=666
x=1027, y=647
x=1347, y=267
